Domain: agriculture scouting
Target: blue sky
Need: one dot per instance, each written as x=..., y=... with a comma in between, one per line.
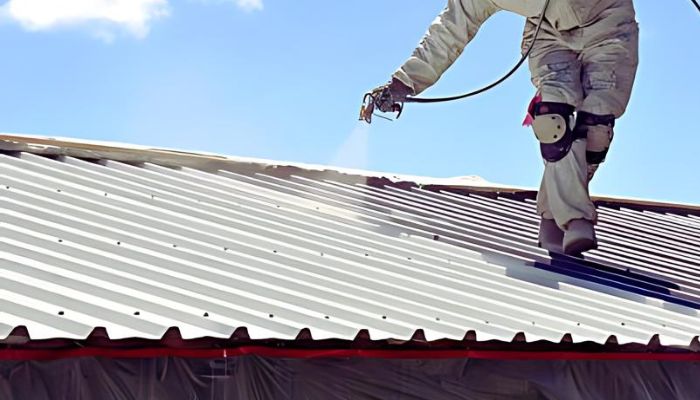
x=283, y=80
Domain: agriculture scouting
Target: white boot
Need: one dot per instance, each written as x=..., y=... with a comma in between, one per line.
x=550, y=236
x=579, y=237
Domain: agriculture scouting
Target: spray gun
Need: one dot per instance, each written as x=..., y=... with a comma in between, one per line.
x=382, y=100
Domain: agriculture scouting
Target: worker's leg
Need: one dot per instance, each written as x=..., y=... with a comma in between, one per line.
x=609, y=66
x=609, y=62
x=563, y=195
x=555, y=68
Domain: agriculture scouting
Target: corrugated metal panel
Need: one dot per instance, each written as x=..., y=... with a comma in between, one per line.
x=138, y=249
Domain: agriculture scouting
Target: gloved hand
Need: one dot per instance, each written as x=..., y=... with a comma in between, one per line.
x=392, y=93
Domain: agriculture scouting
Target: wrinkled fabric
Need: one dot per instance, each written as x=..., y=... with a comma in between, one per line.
x=258, y=378
x=563, y=194
x=447, y=37
x=592, y=67
x=586, y=56
x=459, y=22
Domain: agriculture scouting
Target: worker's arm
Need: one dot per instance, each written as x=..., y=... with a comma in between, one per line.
x=445, y=40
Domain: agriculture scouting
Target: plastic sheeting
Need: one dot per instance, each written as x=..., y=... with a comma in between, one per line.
x=255, y=377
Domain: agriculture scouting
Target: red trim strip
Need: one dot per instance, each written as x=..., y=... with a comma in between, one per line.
x=33, y=355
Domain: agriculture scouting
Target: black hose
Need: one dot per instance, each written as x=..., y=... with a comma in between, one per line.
x=498, y=82
x=697, y=5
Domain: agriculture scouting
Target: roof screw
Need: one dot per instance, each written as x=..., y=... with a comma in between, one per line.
x=105, y=194
x=327, y=317
x=410, y=258
x=137, y=313
x=206, y=314
x=436, y=237
x=61, y=313
x=623, y=324
x=487, y=322
x=119, y=243
x=322, y=254
x=58, y=190
x=60, y=240
x=7, y=187
x=578, y=324
x=366, y=254
x=274, y=251
x=272, y=316
x=225, y=248
x=174, y=245
x=383, y=316
x=437, y=318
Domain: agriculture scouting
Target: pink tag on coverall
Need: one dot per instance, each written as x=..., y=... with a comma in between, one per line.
x=530, y=118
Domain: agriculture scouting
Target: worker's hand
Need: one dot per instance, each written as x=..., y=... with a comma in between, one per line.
x=386, y=96
x=399, y=90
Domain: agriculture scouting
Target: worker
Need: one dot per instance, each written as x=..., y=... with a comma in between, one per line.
x=583, y=65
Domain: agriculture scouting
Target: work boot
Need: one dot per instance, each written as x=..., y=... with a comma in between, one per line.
x=579, y=237
x=551, y=236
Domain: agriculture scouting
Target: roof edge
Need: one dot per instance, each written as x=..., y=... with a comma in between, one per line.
x=386, y=354
x=134, y=154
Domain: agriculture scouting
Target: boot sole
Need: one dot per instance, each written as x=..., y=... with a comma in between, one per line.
x=552, y=248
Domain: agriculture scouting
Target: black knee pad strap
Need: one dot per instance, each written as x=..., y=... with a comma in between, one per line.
x=553, y=152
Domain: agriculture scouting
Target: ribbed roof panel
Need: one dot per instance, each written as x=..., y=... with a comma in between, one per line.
x=141, y=248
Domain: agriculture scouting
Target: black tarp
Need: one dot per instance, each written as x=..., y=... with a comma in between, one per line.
x=255, y=377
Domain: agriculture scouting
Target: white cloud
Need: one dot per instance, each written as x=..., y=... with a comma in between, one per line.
x=103, y=18
x=133, y=15
x=245, y=5
x=249, y=5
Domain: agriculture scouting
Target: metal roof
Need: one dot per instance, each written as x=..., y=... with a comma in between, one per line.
x=141, y=248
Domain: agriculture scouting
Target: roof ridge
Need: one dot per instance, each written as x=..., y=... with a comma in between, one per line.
x=137, y=154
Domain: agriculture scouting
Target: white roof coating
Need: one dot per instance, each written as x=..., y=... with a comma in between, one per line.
x=470, y=180
x=141, y=248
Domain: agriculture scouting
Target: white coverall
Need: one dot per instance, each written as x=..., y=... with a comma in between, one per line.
x=586, y=56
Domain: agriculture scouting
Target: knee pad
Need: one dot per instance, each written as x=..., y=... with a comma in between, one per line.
x=598, y=130
x=552, y=126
